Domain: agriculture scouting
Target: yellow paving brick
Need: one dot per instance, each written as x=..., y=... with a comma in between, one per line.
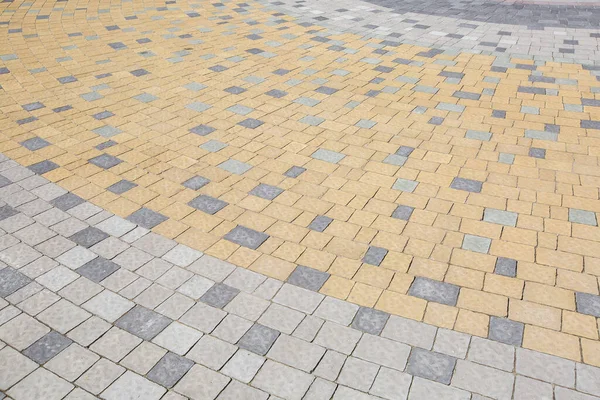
x=552, y=342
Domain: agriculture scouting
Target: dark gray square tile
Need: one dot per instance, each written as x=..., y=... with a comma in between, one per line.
x=208, y=204
x=7, y=211
x=67, y=79
x=266, y=192
x=294, y=172
x=374, y=255
x=499, y=114
x=429, y=365
x=202, y=130
x=11, y=280
x=405, y=151
x=89, y=236
x=169, y=370
x=218, y=68
x=143, y=323
x=258, y=339
x=106, y=145
x=219, y=295
x=537, y=153
x=320, y=223
x=47, y=347
x=326, y=90
x=43, y=167
x=35, y=143
x=105, y=161
x=506, y=331
x=436, y=120
x=308, y=278
x=588, y=304
x=98, y=269
x=235, y=90
x=146, y=218
x=139, y=72
x=4, y=181
x=246, y=237
x=506, y=267
x=468, y=185
x=436, y=291
x=67, y=201
x=403, y=212
x=276, y=93
x=250, y=123
x=103, y=115
x=196, y=182
x=370, y=321
x=121, y=187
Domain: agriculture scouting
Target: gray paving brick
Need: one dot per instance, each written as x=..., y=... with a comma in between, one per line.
x=431, y=290
x=308, y=278
x=588, y=379
x=236, y=391
x=170, y=369
x=358, y=374
x=294, y=172
x=7, y=211
x=121, y=187
x=506, y=267
x=476, y=243
x=47, y=347
x=337, y=337
x=154, y=244
x=105, y=161
x=545, y=367
x=506, y=331
x=411, y=332
x=328, y=156
x=370, y=320
x=235, y=166
x=42, y=167
x=146, y=218
x=374, y=255
x=98, y=269
x=320, y=223
x=452, y=343
x=246, y=237
x=258, y=339
x=208, y=204
x=196, y=182
x=391, y=384
x=382, y=351
x=561, y=393
x=282, y=381
x=35, y=143
x=500, y=217
x=588, y=304
x=526, y=388
x=405, y=185
x=11, y=280
x=296, y=353
x=492, y=354
x=67, y=201
x=468, y=185
x=266, y=192
x=88, y=236
x=484, y=380
x=251, y=123
x=582, y=217
x=403, y=212
x=143, y=323
x=423, y=389
x=219, y=295
x=430, y=365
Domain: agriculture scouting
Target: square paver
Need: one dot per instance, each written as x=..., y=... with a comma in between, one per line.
x=308, y=278
x=202, y=130
x=121, y=187
x=169, y=370
x=294, y=172
x=105, y=161
x=235, y=166
x=208, y=204
x=468, y=185
x=11, y=280
x=219, y=295
x=131, y=386
x=506, y=267
x=588, y=304
x=246, y=237
x=42, y=167
x=47, y=347
x=266, y=192
x=35, y=143
x=582, y=217
x=143, y=323
x=506, y=331
x=98, y=269
x=146, y=218
x=403, y=212
x=430, y=365
x=370, y=320
x=258, y=339
x=250, y=123
x=405, y=185
x=374, y=255
x=320, y=223
x=196, y=182
x=178, y=338
x=88, y=236
x=41, y=384
x=476, y=243
x=202, y=383
x=328, y=156
x=67, y=201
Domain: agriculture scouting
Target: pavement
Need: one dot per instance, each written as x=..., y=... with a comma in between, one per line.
x=299, y=200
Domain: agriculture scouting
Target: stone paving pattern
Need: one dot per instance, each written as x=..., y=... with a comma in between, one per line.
x=453, y=188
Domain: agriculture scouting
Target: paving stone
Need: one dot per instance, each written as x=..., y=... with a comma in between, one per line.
x=258, y=339
x=477, y=244
x=121, y=187
x=98, y=269
x=506, y=267
x=382, y=351
x=178, y=338
x=484, y=380
x=370, y=320
x=88, y=331
x=526, y=388
x=22, y=331
x=35, y=143
x=100, y=376
x=246, y=237
x=308, y=278
x=374, y=255
x=105, y=161
x=506, y=331
x=588, y=304
x=251, y=123
x=391, y=384
x=492, y=354
x=411, y=332
x=243, y=366
x=108, y=305
x=146, y=218
x=588, y=379
x=452, y=343
x=430, y=290
x=282, y=381
x=582, y=217
x=320, y=223
x=294, y=172
x=219, y=295
x=67, y=201
x=42, y=167
x=47, y=347
x=422, y=389
x=13, y=367
x=328, y=156
x=403, y=212
x=131, y=385
x=11, y=280
x=143, y=323
x=296, y=353
x=430, y=365
x=405, y=185
x=88, y=236
x=337, y=337
x=500, y=217
x=236, y=390
x=170, y=369
x=41, y=384
x=201, y=383
x=143, y=358
x=154, y=244
x=203, y=317
x=196, y=182
x=545, y=367
x=115, y=344
x=358, y=374
x=298, y=298
x=72, y=362
x=335, y=310
x=266, y=192
x=211, y=352
x=468, y=185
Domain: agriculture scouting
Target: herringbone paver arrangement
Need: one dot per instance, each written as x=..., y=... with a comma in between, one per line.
x=299, y=200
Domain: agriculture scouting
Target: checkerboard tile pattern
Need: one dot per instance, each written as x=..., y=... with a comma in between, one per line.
x=443, y=187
